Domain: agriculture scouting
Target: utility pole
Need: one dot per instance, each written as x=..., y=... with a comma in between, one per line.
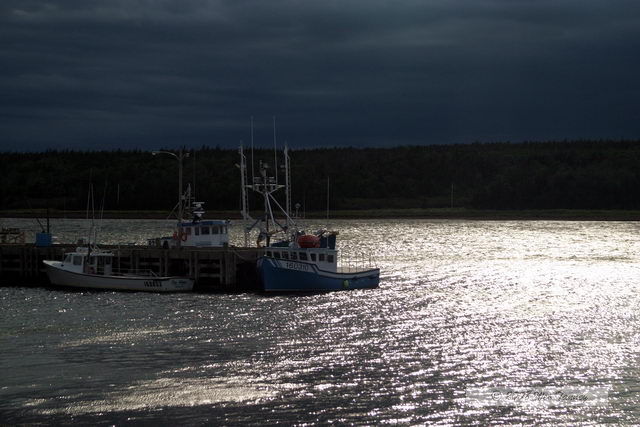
x=179, y=157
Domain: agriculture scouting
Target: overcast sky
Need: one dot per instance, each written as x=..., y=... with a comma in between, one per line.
x=85, y=74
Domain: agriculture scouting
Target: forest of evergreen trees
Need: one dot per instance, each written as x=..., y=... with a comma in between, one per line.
x=548, y=175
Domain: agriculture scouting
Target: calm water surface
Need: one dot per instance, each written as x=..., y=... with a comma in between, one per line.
x=461, y=304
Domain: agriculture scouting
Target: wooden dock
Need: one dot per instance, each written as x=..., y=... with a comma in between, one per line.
x=225, y=269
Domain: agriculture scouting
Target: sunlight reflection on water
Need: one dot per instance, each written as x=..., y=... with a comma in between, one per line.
x=461, y=304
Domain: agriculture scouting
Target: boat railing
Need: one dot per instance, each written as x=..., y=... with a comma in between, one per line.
x=358, y=261
x=133, y=272
x=12, y=236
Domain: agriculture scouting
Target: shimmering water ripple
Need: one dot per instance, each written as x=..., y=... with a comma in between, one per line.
x=461, y=304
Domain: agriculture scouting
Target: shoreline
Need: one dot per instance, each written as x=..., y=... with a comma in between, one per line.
x=441, y=213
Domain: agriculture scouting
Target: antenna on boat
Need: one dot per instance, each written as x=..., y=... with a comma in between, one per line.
x=91, y=205
x=275, y=151
x=287, y=183
x=194, y=173
x=253, y=175
x=327, y=196
x=104, y=197
x=89, y=193
x=243, y=189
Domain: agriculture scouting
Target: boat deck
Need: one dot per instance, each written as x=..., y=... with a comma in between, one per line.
x=351, y=270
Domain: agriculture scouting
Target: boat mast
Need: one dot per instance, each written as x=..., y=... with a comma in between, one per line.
x=253, y=173
x=90, y=202
x=265, y=185
x=327, y=197
x=269, y=185
x=243, y=189
x=275, y=151
x=287, y=184
x=180, y=197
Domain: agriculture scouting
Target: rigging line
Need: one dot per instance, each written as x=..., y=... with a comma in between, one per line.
x=37, y=219
x=89, y=193
x=270, y=212
x=104, y=197
x=280, y=207
x=93, y=207
x=194, y=174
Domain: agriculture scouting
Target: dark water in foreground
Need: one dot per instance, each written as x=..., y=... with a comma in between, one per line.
x=461, y=304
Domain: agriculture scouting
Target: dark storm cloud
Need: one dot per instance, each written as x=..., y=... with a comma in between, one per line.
x=96, y=74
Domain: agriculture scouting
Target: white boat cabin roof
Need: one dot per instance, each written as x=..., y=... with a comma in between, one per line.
x=84, y=251
x=100, y=261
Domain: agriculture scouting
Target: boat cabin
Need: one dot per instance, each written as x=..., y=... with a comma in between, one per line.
x=81, y=261
x=209, y=233
x=204, y=233
x=325, y=258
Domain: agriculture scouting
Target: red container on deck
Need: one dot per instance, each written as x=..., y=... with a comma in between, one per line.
x=309, y=241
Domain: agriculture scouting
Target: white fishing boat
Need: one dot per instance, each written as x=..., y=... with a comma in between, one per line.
x=93, y=269
x=197, y=232
x=191, y=230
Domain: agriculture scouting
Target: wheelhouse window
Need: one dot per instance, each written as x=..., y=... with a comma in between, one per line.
x=329, y=258
x=303, y=256
x=77, y=260
x=269, y=253
x=321, y=257
x=197, y=230
x=276, y=255
x=68, y=258
x=313, y=257
x=205, y=230
x=294, y=255
x=285, y=255
x=107, y=260
x=215, y=230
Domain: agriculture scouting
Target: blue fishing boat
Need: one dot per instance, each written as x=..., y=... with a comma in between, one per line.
x=297, y=269
x=293, y=260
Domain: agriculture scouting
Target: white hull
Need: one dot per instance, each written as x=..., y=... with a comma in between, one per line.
x=60, y=277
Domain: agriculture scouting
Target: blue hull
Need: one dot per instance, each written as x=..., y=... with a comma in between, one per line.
x=279, y=275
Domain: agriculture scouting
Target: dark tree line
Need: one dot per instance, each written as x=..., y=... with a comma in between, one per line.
x=531, y=175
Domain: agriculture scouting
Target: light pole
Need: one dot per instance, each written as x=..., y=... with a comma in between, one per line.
x=179, y=157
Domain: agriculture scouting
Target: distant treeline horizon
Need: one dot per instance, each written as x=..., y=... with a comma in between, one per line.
x=600, y=174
